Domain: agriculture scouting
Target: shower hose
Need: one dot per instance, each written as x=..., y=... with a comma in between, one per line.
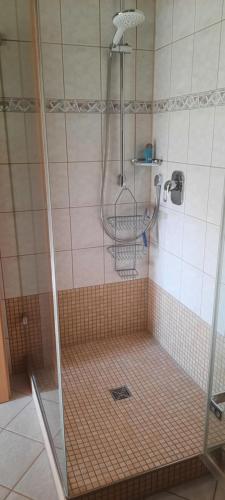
x=157, y=180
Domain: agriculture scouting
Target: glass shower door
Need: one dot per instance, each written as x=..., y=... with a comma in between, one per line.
x=215, y=419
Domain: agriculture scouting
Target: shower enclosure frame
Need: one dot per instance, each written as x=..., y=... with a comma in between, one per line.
x=35, y=17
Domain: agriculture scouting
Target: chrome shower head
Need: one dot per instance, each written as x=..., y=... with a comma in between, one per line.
x=124, y=20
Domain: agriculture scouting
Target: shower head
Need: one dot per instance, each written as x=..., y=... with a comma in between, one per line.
x=124, y=20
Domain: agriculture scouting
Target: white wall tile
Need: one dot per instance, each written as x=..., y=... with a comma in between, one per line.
x=38, y=198
x=218, y=153
x=11, y=74
x=8, y=25
x=29, y=274
x=52, y=70
x=64, y=270
x=3, y=150
x=56, y=136
x=201, y=136
x=21, y=186
x=208, y=293
x=143, y=133
x=207, y=12
x=174, y=233
x=196, y=191
x=8, y=245
x=61, y=229
x=24, y=226
x=194, y=241
x=144, y=67
x=5, y=189
x=81, y=72
x=129, y=75
x=165, y=269
x=205, y=63
x=44, y=283
x=84, y=183
x=16, y=137
x=191, y=287
x=221, y=75
x=59, y=185
x=86, y=227
x=145, y=32
x=158, y=232
x=162, y=70
x=216, y=190
x=86, y=31
x=182, y=54
x=142, y=178
x=27, y=69
x=161, y=135
x=24, y=20
x=50, y=21
x=11, y=277
x=112, y=188
x=86, y=274
x=163, y=22
x=211, y=249
x=178, y=136
x=34, y=152
x=221, y=311
x=83, y=137
x=183, y=18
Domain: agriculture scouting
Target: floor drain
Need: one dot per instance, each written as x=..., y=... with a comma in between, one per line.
x=120, y=393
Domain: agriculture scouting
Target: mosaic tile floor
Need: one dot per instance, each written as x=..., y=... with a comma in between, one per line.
x=111, y=440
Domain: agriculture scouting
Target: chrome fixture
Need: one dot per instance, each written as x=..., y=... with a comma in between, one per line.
x=122, y=227
x=124, y=20
x=175, y=186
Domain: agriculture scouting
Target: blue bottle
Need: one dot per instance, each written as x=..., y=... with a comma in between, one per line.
x=148, y=153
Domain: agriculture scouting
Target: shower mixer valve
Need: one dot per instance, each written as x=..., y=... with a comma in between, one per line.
x=175, y=186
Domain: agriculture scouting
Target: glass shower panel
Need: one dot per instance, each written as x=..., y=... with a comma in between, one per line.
x=29, y=260
x=215, y=422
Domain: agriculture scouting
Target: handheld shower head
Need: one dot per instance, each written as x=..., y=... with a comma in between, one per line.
x=124, y=20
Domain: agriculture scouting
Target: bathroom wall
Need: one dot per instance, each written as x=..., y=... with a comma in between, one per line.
x=25, y=265
x=75, y=39
x=188, y=128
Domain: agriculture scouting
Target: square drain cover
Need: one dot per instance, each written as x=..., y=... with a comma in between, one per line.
x=120, y=393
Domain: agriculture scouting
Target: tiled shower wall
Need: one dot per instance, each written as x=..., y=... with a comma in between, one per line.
x=188, y=129
x=75, y=38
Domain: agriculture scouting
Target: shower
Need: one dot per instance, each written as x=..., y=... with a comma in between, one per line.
x=125, y=20
x=125, y=229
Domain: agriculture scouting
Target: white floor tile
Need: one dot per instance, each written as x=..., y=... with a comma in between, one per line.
x=17, y=453
x=199, y=489
x=38, y=481
x=15, y=496
x=9, y=410
x=3, y=492
x=26, y=423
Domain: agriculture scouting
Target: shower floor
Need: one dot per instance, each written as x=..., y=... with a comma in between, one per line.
x=107, y=441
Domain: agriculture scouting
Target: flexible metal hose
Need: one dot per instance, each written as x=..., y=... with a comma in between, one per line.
x=157, y=181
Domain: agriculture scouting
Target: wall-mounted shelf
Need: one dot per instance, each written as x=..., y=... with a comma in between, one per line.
x=140, y=162
x=136, y=223
x=124, y=253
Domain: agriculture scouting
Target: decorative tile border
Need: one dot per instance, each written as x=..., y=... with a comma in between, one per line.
x=83, y=106
x=190, y=101
x=18, y=104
